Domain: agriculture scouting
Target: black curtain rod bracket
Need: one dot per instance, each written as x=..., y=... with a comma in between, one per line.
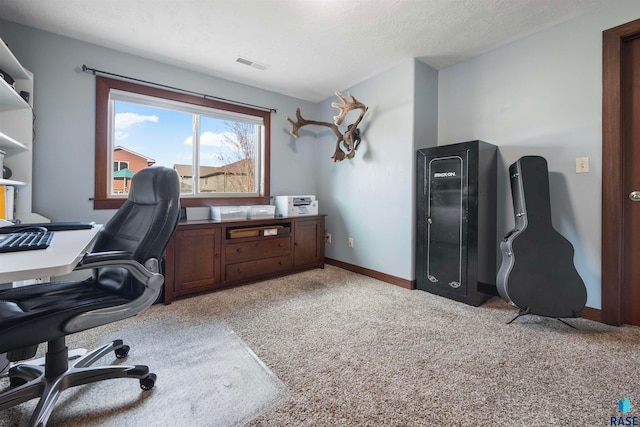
x=203, y=95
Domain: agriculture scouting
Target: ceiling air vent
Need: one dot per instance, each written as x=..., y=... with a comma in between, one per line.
x=251, y=63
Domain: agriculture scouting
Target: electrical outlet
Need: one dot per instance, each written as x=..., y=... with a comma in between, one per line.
x=350, y=242
x=327, y=237
x=582, y=165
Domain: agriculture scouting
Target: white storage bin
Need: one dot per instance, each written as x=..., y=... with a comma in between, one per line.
x=197, y=213
x=261, y=211
x=229, y=213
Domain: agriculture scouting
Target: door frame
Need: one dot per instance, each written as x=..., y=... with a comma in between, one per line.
x=613, y=198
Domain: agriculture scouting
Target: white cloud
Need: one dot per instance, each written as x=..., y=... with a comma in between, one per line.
x=211, y=139
x=121, y=135
x=127, y=120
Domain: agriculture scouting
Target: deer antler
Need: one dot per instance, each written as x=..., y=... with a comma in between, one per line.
x=295, y=126
x=347, y=106
x=351, y=137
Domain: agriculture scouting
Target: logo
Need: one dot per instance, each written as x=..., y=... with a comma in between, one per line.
x=443, y=174
x=624, y=406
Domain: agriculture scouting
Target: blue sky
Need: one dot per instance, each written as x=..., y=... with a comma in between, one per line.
x=166, y=135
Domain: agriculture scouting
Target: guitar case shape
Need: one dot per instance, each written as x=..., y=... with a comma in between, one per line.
x=537, y=273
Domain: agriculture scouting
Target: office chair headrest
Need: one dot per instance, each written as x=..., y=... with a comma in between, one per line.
x=153, y=184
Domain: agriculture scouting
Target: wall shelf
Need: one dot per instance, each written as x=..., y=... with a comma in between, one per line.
x=19, y=184
x=16, y=133
x=10, y=146
x=9, y=98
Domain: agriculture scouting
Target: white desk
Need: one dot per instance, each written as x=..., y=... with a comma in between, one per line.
x=61, y=257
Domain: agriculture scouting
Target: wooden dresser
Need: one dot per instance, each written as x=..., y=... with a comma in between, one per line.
x=207, y=255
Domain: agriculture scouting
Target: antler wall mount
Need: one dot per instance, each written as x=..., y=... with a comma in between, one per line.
x=349, y=139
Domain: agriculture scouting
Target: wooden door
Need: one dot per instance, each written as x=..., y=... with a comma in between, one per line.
x=197, y=259
x=308, y=242
x=631, y=179
x=620, y=174
x=446, y=223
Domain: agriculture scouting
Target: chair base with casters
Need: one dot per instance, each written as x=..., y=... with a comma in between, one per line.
x=49, y=381
x=126, y=279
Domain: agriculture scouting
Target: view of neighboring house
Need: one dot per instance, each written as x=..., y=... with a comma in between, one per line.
x=125, y=164
x=236, y=177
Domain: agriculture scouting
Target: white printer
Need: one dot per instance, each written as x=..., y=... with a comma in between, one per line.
x=296, y=205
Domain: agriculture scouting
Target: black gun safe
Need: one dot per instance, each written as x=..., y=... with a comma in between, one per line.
x=456, y=240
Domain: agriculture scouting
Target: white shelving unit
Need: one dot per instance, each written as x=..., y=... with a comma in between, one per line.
x=16, y=133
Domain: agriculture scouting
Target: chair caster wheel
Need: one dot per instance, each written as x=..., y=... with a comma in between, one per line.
x=122, y=352
x=148, y=382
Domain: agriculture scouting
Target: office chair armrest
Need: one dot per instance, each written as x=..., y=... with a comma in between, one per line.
x=93, y=259
x=148, y=274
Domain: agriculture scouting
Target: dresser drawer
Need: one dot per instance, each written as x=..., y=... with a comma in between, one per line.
x=261, y=267
x=257, y=249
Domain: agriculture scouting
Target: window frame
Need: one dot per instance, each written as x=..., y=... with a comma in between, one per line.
x=104, y=200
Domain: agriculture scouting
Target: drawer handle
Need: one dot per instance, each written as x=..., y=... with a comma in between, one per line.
x=238, y=250
x=281, y=263
x=239, y=270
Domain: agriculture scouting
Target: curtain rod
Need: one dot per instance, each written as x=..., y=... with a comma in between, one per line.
x=204, y=95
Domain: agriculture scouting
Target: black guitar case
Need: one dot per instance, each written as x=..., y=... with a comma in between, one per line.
x=537, y=273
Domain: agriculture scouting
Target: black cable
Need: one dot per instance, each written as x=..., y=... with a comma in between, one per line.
x=204, y=95
x=33, y=126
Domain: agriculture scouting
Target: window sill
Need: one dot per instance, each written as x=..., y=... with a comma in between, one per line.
x=116, y=202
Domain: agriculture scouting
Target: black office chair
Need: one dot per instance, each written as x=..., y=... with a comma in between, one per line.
x=126, y=280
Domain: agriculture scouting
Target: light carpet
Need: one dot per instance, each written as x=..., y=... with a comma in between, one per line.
x=354, y=351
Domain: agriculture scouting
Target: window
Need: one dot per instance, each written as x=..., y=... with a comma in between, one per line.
x=220, y=150
x=118, y=165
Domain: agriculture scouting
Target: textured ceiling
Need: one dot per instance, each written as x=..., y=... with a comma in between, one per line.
x=309, y=48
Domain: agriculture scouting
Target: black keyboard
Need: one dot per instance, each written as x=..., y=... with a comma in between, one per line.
x=25, y=241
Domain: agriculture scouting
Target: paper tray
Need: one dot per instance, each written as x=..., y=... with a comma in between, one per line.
x=268, y=230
